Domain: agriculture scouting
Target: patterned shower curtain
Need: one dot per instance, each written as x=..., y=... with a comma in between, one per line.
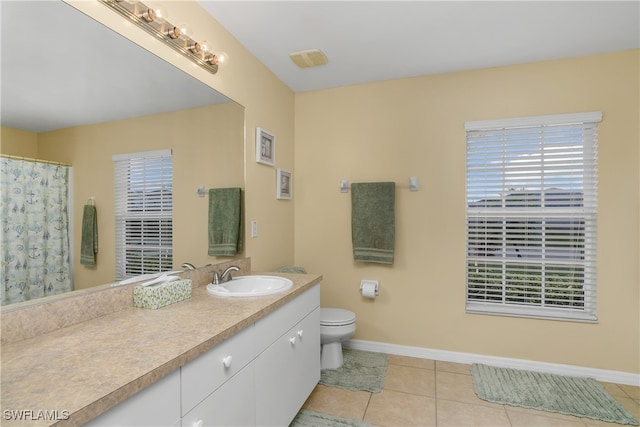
x=35, y=230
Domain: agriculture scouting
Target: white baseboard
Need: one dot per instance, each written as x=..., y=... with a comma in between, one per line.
x=617, y=377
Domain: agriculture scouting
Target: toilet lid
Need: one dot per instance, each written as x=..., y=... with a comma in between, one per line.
x=336, y=316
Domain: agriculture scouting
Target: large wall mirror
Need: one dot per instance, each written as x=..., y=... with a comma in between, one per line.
x=76, y=92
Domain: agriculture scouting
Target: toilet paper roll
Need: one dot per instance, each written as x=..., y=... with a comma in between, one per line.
x=369, y=289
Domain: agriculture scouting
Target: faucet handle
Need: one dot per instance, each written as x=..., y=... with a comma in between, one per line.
x=227, y=273
x=216, y=278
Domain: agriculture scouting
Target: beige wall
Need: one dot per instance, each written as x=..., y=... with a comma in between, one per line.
x=211, y=155
x=391, y=130
x=17, y=142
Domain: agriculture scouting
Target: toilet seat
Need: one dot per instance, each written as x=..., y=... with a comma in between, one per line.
x=336, y=317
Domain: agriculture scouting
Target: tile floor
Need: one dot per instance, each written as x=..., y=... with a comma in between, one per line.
x=422, y=392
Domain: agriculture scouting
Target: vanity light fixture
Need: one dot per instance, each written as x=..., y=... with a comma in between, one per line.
x=148, y=15
x=195, y=47
x=172, y=32
x=178, y=37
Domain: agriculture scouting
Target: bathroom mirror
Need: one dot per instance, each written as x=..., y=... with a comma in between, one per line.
x=87, y=93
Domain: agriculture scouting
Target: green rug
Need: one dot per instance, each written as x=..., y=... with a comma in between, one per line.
x=361, y=370
x=307, y=418
x=582, y=397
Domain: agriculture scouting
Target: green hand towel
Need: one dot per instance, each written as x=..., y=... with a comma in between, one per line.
x=373, y=221
x=225, y=221
x=89, y=243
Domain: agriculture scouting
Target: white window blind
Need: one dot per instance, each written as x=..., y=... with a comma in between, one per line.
x=144, y=213
x=531, y=216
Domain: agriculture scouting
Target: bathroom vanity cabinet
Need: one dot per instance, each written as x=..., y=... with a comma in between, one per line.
x=262, y=375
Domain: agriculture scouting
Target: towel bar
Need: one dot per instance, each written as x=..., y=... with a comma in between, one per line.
x=413, y=185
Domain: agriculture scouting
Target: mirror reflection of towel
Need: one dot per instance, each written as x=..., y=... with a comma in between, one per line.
x=225, y=221
x=89, y=244
x=373, y=221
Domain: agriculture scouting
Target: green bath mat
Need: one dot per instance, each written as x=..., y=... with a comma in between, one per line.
x=581, y=397
x=307, y=418
x=361, y=370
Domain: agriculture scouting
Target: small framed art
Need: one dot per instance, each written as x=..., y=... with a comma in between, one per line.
x=284, y=184
x=265, y=147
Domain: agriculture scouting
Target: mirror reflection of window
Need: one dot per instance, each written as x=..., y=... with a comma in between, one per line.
x=144, y=213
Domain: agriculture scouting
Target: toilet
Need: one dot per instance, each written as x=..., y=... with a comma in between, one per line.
x=336, y=325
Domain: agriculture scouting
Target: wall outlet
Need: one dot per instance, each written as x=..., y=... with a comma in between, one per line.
x=254, y=229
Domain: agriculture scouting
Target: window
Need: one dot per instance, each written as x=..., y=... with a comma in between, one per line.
x=531, y=216
x=144, y=218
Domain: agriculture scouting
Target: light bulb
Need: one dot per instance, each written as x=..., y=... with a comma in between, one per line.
x=185, y=31
x=161, y=14
x=200, y=49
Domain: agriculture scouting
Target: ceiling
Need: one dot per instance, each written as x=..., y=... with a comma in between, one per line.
x=79, y=72
x=53, y=79
x=368, y=41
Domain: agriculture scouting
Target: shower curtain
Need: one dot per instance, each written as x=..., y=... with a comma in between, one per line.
x=34, y=231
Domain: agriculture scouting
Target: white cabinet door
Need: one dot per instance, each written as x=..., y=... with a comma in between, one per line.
x=233, y=404
x=307, y=366
x=287, y=372
x=157, y=405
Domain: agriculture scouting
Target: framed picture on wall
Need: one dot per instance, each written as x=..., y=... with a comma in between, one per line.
x=265, y=147
x=284, y=184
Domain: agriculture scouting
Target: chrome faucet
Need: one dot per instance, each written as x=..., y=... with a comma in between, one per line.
x=189, y=266
x=225, y=276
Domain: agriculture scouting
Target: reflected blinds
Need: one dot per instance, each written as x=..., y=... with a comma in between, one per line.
x=144, y=213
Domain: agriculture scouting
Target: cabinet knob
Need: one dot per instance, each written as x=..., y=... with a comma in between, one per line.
x=300, y=332
x=292, y=340
x=227, y=361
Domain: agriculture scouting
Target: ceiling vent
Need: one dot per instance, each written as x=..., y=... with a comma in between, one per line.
x=308, y=58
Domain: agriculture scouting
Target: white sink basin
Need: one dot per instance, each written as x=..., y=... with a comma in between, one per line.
x=250, y=286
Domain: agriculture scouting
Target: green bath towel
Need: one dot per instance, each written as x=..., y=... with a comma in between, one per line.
x=89, y=244
x=373, y=221
x=225, y=221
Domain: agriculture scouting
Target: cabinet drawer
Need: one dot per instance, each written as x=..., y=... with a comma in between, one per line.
x=275, y=324
x=233, y=404
x=205, y=374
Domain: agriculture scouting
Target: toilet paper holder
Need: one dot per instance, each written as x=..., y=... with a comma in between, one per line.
x=367, y=285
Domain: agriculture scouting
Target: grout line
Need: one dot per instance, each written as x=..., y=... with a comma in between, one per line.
x=504, y=408
x=435, y=392
x=367, y=407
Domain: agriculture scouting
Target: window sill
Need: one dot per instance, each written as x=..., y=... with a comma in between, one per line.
x=557, y=314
